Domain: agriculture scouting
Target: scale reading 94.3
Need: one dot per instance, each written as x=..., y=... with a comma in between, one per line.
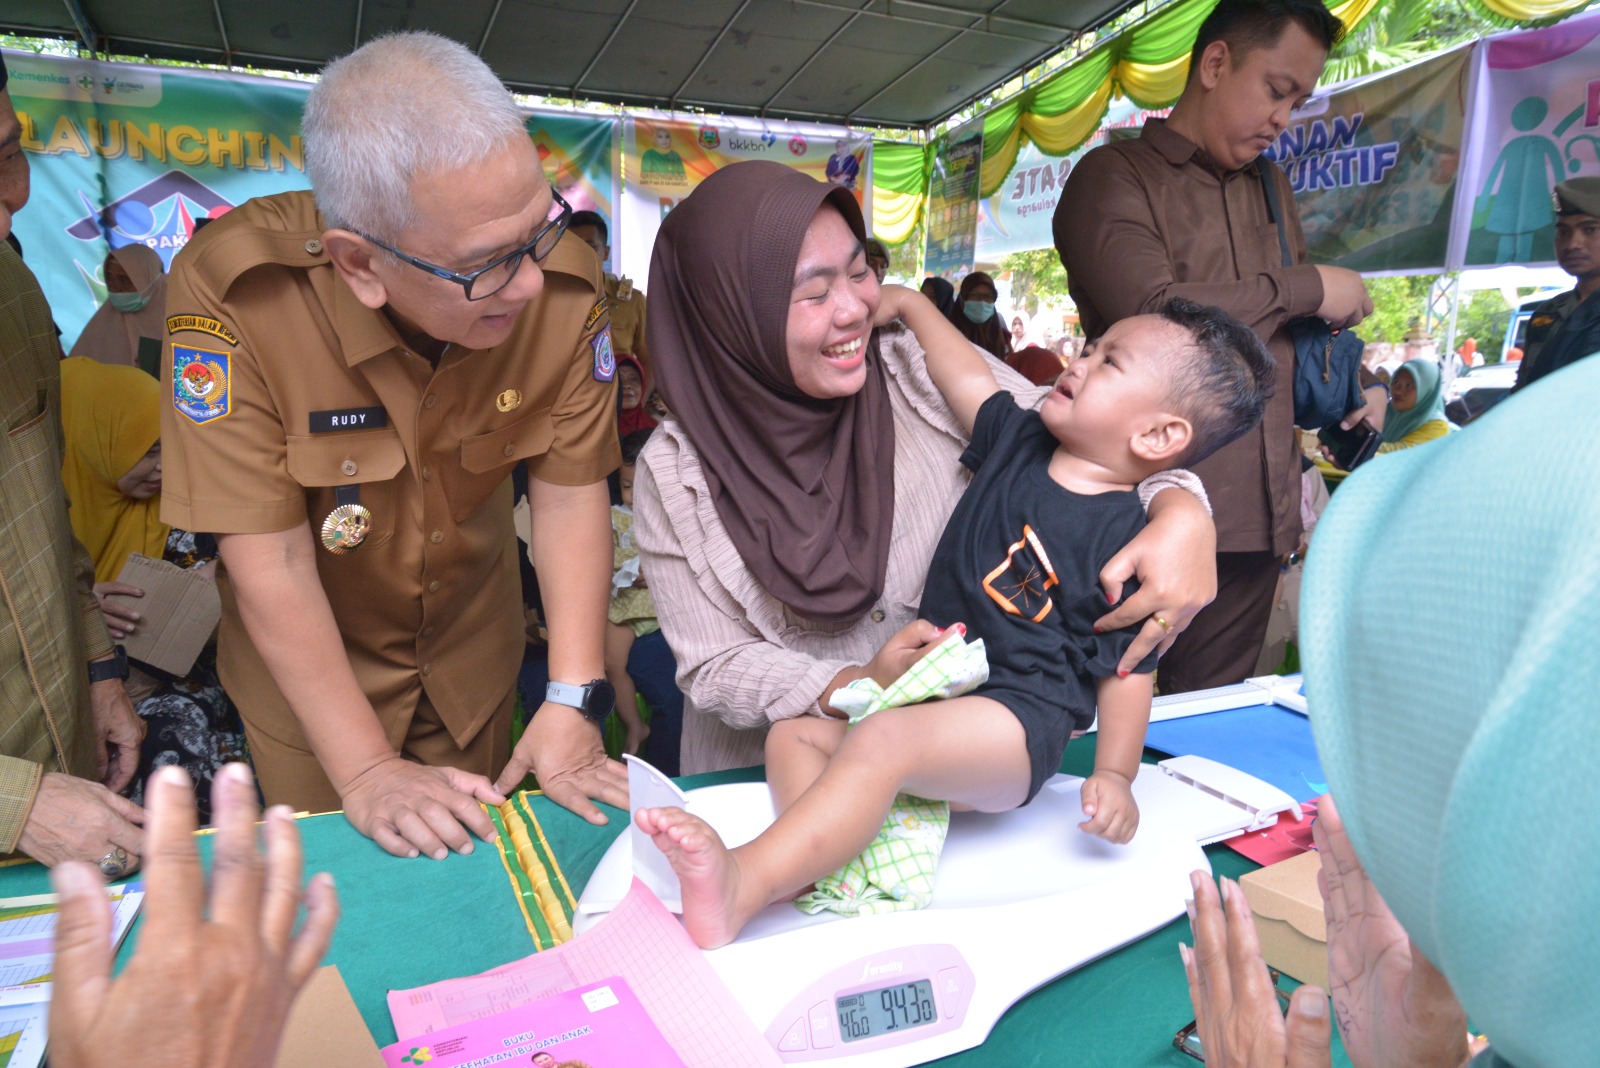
x=880, y=1012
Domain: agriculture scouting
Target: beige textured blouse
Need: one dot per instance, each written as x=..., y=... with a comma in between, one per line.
x=744, y=659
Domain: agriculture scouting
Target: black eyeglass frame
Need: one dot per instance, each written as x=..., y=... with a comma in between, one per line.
x=465, y=281
x=1187, y=1040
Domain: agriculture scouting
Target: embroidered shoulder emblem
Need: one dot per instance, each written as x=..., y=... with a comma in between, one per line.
x=605, y=361
x=200, y=387
x=201, y=324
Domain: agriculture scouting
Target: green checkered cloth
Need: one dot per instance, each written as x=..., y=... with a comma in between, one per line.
x=895, y=871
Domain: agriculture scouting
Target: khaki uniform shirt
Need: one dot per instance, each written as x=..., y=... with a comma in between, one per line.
x=627, y=320
x=50, y=623
x=1144, y=220
x=307, y=391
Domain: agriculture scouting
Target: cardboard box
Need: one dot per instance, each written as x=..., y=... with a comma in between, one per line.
x=1288, y=912
x=177, y=614
x=325, y=1030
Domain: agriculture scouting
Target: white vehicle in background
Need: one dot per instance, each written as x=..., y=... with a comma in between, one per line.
x=1500, y=376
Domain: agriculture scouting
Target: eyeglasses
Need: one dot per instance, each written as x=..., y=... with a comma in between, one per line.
x=494, y=276
x=1187, y=1040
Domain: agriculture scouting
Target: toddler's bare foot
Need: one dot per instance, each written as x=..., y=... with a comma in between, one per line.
x=635, y=739
x=707, y=873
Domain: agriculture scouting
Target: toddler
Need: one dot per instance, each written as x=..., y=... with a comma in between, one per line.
x=1052, y=499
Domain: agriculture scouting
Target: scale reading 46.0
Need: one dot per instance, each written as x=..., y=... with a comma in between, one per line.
x=878, y=1012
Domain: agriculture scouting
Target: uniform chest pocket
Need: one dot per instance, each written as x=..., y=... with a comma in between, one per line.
x=487, y=460
x=366, y=459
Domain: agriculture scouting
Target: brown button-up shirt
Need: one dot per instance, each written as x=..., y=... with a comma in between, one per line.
x=306, y=392
x=1144, y=220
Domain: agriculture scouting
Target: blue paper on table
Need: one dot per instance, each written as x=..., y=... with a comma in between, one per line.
x=1274, y=744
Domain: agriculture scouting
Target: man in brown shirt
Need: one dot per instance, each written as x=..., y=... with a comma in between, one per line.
x=354, y=378
x=625, y=300
x=69, y=737
x=1181, y=212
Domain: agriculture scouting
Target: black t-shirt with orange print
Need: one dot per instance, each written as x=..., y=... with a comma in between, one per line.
x=1019, y=564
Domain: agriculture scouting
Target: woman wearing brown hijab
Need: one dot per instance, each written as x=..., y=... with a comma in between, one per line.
x=787, y=510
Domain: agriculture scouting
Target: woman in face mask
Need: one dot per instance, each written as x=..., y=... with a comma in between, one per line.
x=134, y=307
x=976, y=318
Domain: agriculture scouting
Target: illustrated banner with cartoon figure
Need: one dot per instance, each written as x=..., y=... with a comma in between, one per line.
x=1374, y=166
x=663, y=159
x=1535, y=122
x=1017, y=217
x=123, y=154
x=953, y=203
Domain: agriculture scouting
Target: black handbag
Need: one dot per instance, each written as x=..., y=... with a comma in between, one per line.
x=1327, y=362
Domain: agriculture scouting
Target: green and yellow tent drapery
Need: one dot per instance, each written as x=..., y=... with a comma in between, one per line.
x=1148, y=64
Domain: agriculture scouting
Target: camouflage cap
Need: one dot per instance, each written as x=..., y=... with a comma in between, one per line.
x=1578, y=196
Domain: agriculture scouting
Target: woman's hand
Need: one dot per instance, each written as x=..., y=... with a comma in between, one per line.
x=1235, y=1006
x=1393, y=1006
x=121, y=617
x=890, y=299
x=1175, y=560
x=910, y=644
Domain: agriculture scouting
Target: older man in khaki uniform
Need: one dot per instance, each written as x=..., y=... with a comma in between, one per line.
x=354, y=377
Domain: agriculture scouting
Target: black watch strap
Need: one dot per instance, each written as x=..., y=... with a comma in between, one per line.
x=114, y=668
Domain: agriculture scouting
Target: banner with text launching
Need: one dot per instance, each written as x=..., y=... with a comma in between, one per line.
x=1374, y=166
x=1017, y=217
x=953, y=203
x=1535, y=122
x=664, y=159
x=121, y=153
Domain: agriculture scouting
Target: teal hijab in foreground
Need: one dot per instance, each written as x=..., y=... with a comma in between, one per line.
x=1455, y=706
x=1430, y=400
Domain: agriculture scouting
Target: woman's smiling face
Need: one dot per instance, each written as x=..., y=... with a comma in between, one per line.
x=831, y=307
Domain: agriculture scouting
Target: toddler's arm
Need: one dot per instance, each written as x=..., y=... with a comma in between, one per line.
x=955, y=366
x=1108, y=806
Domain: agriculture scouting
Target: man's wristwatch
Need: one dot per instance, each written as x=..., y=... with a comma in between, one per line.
x=115, y=668
x=594, y=699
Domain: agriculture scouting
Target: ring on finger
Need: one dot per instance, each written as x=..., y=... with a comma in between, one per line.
x=114, y=865
x=1164, y=624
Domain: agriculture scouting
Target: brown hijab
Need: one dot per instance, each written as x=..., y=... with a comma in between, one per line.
x=805, y=487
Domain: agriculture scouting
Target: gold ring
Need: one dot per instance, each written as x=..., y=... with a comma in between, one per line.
x=1164, y=624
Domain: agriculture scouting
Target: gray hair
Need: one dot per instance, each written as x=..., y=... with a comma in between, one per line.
x=400, y=106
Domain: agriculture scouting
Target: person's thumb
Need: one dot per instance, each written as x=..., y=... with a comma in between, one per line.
x=83, y=944
x=1309, y=1032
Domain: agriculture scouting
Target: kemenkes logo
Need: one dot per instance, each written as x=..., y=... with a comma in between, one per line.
x=52, y=78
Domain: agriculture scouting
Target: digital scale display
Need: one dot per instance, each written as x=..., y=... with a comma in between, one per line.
x=881, y=1012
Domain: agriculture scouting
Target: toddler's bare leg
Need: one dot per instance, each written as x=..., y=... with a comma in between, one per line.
x=970, y=750
x=797, y=752
x=619, y=643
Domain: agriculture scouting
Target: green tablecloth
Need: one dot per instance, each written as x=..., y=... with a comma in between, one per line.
x=411, y=922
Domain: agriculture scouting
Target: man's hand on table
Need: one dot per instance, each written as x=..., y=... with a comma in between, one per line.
x=411, y=809
x=118, y=733
x=199, y=991
x=567, y=755
x=75, y=819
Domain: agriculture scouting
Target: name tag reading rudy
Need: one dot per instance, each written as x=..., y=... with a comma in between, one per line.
x=349, y=419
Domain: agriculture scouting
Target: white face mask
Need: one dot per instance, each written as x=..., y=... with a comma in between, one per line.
x=128, y=302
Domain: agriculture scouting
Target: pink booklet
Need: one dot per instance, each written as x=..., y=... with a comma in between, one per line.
x=598, y=1025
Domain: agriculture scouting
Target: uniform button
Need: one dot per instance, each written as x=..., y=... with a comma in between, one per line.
x=877, y=615
x=426, y=632
x=430, y=401
x=427, y=669
x=314, y=246
x=433, y=587
x=436, y=537
x=427, y=472
x=510, y=449
x=348, y=467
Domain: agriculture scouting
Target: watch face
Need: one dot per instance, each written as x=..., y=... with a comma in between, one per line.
x=601, y=700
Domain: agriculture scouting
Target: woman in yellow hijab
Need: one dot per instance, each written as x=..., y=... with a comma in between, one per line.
x=111, y=465
x=111, y=425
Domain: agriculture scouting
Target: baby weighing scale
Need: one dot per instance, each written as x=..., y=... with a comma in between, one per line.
x=1020, y=898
